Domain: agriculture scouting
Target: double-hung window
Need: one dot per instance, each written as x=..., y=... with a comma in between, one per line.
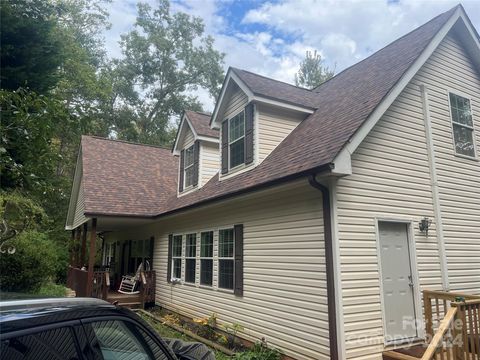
x=188, y=167
x=190, y=257
x=462, y=123
x=177, y=257
x=206, y=258
x=225, y=258
x=236, y=141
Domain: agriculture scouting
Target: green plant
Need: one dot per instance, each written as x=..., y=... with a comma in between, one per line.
x=51, y=289
x=32, y=265
x=259, y=351
x=206, y=326
x=232, y=331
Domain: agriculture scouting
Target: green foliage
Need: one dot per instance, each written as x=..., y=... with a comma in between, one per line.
x=31, y=51
x=51, y=289
x=259, y=351
x=166, y=55
x=34, y=263
x=312, y=72
x=232, y=330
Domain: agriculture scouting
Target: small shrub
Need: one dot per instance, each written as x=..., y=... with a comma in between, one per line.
x=32, y=265
x=232, y=331
x=206, y=327
x=259, y=351
x=51, y=289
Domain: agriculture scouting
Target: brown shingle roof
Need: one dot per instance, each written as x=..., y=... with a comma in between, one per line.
x=277, y=90
x=200, y=122
x=121, y=178
x=343, y=103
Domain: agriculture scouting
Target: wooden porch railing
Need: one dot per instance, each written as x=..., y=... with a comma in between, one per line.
x=457, y=335
x=77, y=281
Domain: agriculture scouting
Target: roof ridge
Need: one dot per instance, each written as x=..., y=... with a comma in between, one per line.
x=272, y=79
x=388, y=45
x=126, y=142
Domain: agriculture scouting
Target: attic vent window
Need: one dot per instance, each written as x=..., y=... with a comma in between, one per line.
x=188, y=166
x=462, y=122
x=237, y=139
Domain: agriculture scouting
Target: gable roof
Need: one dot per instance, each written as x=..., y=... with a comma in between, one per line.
x=342, y=106
x=121, y=178
x=201, y=123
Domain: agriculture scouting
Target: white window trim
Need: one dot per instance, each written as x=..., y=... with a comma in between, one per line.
x=190, y=258
x=200, y=257
x=232, y=258
x=231, y=142
x=452, y=122
x=177, y=257
x=185, y=187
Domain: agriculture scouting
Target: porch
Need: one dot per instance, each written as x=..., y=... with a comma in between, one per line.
x=452, y=329
x=99, y=274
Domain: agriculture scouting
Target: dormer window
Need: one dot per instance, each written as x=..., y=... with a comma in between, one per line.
x=189, y=159
x=237, y=140
x=188, y=166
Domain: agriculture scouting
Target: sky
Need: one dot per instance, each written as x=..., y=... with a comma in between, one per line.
x=271, y=37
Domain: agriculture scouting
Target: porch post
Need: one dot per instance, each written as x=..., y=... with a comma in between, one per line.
x=91, y=258
x=84, y=244
x=78, y=231
x=72, y=249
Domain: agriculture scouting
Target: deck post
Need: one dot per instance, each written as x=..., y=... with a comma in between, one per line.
x=84, y=244
x=76, y=247
x=91, y=257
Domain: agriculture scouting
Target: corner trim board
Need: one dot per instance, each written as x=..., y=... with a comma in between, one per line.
x=434, y=185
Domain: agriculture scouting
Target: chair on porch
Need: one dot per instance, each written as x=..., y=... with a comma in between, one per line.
x=129, y=283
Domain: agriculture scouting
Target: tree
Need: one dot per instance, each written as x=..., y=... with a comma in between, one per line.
x=166, y=57
x=312, y=71
x=31, y=51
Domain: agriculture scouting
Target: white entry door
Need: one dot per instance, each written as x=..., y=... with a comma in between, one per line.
x=397, y=281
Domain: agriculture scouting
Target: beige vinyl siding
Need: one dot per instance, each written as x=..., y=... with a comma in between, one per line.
x=209, y=161
x=285, y=296
x=237, y=102
x=79, y=217
x=450, y=69
x=274, y=125
x=188, y=139
x=391, y=180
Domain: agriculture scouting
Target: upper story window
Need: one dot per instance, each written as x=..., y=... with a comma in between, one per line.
x=462, y=122
x=188, y=162
x=237, y=139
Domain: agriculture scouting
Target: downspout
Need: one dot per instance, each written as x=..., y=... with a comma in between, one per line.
x=327, y=232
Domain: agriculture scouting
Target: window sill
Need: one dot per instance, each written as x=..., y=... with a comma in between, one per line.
x=473, y=158
x=226, y=291
x=188, y=190
x=236, y=170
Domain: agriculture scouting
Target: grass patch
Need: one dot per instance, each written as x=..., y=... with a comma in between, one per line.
x=52, y=290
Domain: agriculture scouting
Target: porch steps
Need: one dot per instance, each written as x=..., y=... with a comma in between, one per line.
x=131, y=305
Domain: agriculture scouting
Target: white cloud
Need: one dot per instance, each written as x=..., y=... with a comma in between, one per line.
x=274, y=36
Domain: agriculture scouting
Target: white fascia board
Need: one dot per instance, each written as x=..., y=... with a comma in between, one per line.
x=231, y=76
x=181, y=127
x=281, y=104
x=208, y=139
x=77, y=177
x=375, y=116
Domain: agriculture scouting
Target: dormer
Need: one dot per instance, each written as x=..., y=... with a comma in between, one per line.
x=197, y=145
x=254, y=115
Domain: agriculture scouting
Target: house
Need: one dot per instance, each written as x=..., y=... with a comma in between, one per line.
x=313, y=218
